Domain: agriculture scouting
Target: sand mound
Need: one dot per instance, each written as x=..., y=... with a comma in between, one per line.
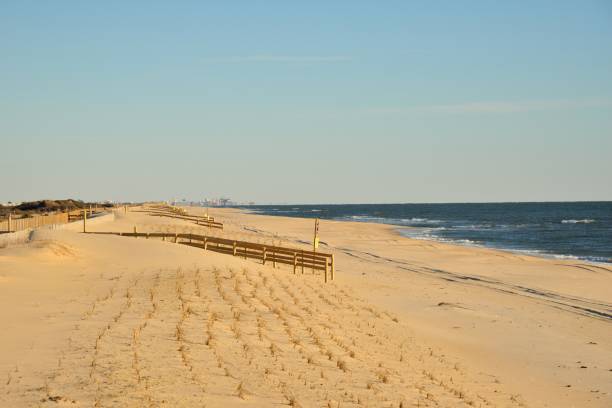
x=54, y=249
x=43, y=206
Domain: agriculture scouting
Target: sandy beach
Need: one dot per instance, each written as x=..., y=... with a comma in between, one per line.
x=106, y=321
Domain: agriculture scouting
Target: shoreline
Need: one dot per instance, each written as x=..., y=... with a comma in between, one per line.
x=539, y=253
x=527, y=252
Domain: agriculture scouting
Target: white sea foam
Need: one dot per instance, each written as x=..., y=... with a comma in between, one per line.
x=427, y=235
x=585, y=221
x=393, y=221
x=557, y=256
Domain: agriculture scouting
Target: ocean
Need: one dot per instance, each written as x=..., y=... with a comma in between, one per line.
x=572, y=230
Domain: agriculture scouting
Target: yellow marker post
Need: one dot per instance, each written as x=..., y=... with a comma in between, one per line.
x=315, y=243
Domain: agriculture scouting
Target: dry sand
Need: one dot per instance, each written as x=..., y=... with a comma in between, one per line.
x=107, y=321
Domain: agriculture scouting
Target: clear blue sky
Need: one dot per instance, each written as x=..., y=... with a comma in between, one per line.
x=324, y=102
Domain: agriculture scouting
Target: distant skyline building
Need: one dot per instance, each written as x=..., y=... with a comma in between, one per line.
x=209, y=202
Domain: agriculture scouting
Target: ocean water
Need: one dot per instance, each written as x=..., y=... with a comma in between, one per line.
x=574, y=230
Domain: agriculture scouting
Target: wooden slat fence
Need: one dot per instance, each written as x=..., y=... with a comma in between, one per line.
x=36, y=221
x=300, y=259
x=198, y=220
x=75, y=215
x=193, y=217
x=171, y=212
x=20, y=224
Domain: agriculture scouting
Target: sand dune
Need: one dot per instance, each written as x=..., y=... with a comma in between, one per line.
x=106, y=321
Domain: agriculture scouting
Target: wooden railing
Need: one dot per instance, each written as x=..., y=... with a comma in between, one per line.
x=300, y=259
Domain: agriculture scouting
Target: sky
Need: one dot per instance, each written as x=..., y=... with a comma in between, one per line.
x=306, y=102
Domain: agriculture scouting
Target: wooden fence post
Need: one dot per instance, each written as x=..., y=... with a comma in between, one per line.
x=9, y=223
x=264, y=255
x=332, y=267
x=326, y=269
x=234, y=248
x=205, y=243
x=175, y=237
x=135, y=233
x=84, y=220
x=294, y=262
x=302, y=261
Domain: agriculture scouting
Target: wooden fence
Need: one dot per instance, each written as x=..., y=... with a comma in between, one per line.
x=188, y=216
x=18, y=224
x=12, y=224
x=171, y=212
x=198, y=220
x=300, y=259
